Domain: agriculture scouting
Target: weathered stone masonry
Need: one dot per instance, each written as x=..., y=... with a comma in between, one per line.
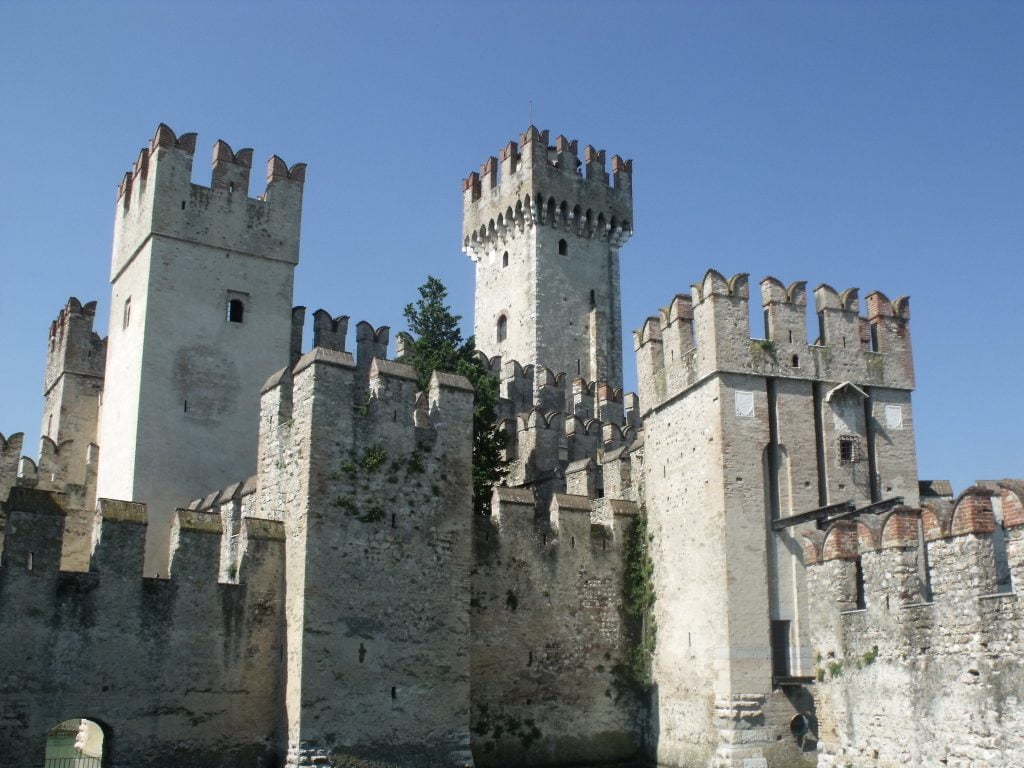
x=815, y=602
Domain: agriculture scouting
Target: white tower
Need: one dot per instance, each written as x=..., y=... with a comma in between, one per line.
x=200, y=316
x=545, y=240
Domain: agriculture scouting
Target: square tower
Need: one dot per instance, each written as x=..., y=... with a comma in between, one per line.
x=200, y=316
x=749, y=445
x=545, y=239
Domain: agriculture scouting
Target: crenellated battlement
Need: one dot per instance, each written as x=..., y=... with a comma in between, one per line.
x=329, y=332
x=542, y=185
x=526, y=387
x=925, y=603
x=229, y=169
x=709, y=331
x=74, y=378
x=73, y=345
x=549, y=425
x=158, y=196
x=152, y=642
x=35, y=530
x=370, y=476
x=572, y=526
x=964, y=545
x=10, y=458
x=547, y=621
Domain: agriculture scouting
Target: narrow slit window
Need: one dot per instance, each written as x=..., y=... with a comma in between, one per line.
x=236, y=311
x=859, y=586
x=504, y=259
x=126, y=316
x=593, y=298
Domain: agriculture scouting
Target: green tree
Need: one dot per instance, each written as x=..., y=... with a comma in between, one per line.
x=438, y=346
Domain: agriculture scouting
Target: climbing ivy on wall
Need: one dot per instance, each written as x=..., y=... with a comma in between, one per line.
x=638, y=601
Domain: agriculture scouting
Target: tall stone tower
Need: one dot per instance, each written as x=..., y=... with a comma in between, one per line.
x=545, y=239
x=200, y=316
x=749, y=445
x=71, y=388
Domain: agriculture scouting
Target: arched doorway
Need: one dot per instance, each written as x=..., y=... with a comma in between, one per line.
x=76, y=743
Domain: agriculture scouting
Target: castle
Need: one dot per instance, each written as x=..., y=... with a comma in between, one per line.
x=328, y=597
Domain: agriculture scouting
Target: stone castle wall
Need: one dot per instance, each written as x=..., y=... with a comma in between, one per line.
x=343, y=606
x=377, y=496
x=551, y=682
x=923, y=666
x=179, y=670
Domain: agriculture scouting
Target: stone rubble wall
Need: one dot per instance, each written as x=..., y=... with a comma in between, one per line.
x=376, y=491
x=183, y=671
x=908, y=680
x=551, y=683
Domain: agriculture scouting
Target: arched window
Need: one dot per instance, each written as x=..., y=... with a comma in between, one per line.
x=504, y=259
x=502, y=332
x=126, y=315
x=236, y=311
x=563, y=247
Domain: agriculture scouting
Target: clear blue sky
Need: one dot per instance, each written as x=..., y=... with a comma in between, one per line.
x=869, y=144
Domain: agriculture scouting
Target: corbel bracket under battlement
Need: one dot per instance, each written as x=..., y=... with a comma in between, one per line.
x=825, y=516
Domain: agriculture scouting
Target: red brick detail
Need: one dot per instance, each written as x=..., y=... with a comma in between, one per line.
x=932, y=525
x=865, y=538
x=841, y=542
x=472, y=182
x=973, y=513
x=811, y=545
x=489, y=172
x=900, y=530
x=878, y=305
x=1013, y=509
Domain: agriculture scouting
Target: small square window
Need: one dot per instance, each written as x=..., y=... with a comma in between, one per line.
x=848, y=450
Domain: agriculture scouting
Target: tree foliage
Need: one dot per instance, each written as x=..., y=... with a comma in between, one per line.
x=438, y=346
